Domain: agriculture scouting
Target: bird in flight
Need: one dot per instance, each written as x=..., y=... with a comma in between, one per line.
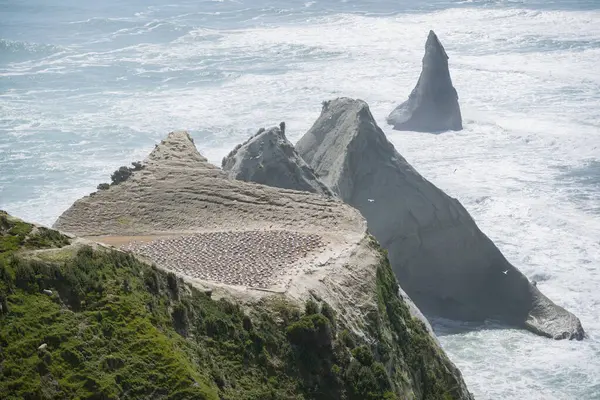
x=505, y=272
x=371, y=200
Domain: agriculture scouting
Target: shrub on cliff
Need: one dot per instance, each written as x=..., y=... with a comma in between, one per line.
x=311, y=307
x=329, y=313
x=312, y=332
x=122, y=174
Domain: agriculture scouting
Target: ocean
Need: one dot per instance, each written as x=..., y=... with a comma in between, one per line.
x=86, y=87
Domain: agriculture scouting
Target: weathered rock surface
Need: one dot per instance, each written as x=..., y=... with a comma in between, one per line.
x=183, y=201
x=270, y=159
x=178, y=190
x=433, y=104
x=444, y=262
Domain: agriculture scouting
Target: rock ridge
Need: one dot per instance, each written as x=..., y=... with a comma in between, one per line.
x=179, y=190
x=443, y=261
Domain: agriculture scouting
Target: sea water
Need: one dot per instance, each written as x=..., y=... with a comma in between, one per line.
x=86, y=87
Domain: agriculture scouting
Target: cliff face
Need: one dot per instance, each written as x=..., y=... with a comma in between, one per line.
x=433, y=104
x=442, y=259
x=327, y=321
x=270, y=159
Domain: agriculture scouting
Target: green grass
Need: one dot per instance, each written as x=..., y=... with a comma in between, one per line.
x=409, y=338
x=116, y=328
x=17, y=235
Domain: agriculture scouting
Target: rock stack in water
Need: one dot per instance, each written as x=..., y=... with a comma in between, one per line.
x=433, y=104
x=270, y=159
x=443, y=261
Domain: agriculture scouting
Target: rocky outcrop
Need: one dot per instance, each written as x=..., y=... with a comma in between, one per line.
x=270, y=159
x=444, y=262
x=188, y=217
x=433, y=104
x=180, y=191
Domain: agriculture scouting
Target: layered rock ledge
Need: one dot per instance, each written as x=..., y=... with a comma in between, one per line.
x=443, y=261
x=433, y=104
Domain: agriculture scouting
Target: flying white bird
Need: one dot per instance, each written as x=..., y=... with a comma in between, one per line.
x=505, y=272
x=371, y=200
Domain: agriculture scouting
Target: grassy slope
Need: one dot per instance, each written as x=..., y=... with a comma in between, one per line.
x=115, y=328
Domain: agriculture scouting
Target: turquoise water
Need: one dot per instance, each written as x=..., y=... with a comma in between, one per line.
x=85, y=88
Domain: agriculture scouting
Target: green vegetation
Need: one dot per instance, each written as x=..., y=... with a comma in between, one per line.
x=17, y=235
x=400, y=335
x=98, y=324
x=121, y=175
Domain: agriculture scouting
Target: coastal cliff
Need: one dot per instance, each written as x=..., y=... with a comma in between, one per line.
x=133, y=310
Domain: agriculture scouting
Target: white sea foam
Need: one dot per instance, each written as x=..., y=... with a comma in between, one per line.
x=530, y=95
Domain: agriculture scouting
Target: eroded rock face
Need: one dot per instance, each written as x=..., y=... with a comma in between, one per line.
x=433, y=104
x=270, y=159
x=443, y=261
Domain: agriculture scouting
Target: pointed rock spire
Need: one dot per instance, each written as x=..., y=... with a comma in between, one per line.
x=442, y=260
x=270, y=159
x=433, y=104
x=177, y=149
